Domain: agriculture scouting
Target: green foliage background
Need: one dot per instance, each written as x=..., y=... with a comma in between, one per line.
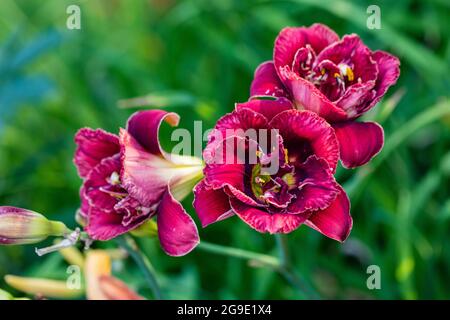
x=197, y=57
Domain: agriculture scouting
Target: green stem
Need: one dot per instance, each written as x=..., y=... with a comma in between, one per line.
x=262, y=259
x=143, y=263
x=279, y=265
x=288, y=271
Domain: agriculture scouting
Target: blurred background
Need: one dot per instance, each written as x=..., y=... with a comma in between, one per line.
x=197, y=57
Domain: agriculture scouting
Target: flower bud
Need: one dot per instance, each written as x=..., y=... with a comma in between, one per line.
x=43, y=287
x=21, y=226
x=115, y=289
x=98, y=264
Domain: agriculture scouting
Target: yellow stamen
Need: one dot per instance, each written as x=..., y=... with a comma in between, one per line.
x=350, y=74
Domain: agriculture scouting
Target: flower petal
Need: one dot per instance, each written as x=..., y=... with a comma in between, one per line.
x=355, y=96
x=388, y=73
x=352, y=51
x=226, y=162
x=263, y=221
x=266, y=82
x=358, y=142
x=92, y=147
x=306, y=96
x=334, y=222
x=268, y=108
x=242, y=123
x=145, y=175
x=211, y=205
x=104, y=225
x=305, y=133
x=97, y=189
x=317, y=187
x=321, y=36
x=115, y=289
x=289, y=40
x=177, y=231
x=241, y=119
x=144, y=127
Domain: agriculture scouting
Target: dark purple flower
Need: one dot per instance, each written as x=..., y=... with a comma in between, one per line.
x=339, y=79
x=129, y=179
x=301, y=191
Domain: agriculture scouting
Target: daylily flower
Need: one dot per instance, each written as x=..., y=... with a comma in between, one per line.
x=128, y=179
x=339, y=79
x=303, y=189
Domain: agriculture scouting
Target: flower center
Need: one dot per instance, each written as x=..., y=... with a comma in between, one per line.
x=114, y=179
x=273, y=190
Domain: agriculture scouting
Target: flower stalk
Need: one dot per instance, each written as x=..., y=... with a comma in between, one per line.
x=281, y=265
x=288, y=271
x=130, y=245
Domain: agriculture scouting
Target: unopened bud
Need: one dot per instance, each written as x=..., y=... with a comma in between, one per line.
x=43, y=287
x=21, y=226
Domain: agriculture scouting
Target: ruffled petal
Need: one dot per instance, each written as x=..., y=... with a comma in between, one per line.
x=263, y=221
x=226, y=162
x=320, y=36
x=354, y=97
x=358, y=142
x=289, y=40
x=352, y=52
x=177, y=231
x=266, y=82
x=105, y=226
x=268, y=108
x=242, y=119
x=211, y=205
x=98, y=189
x=334, y=222
x=92, y=147
x=388, y=73
x=306, y=96
x=316, y=184
x=305, y=134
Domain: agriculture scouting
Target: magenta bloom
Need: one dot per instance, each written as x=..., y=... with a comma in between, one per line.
x=339, y=79
x=129, y=179
x=302, y=190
